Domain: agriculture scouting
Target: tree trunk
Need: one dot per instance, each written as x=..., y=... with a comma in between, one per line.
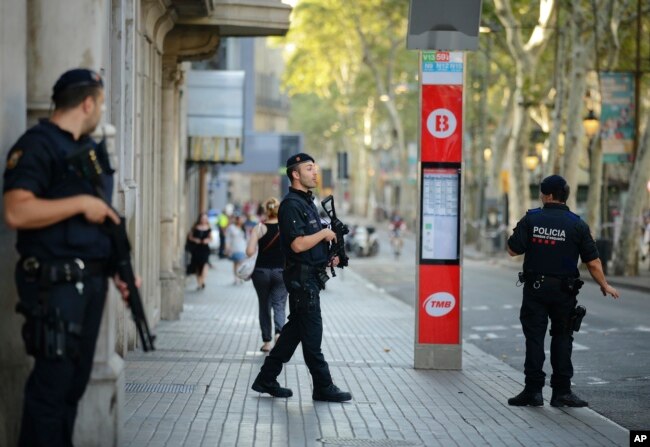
x=500, y=139
x=573, y=143
x=518, y=194
x=626, y=252
x=407, y=192
x=525, y=57
x=558, y=108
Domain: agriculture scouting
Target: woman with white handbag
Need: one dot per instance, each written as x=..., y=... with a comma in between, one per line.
x=267, y=275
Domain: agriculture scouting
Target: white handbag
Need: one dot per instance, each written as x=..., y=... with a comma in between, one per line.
x=245, y=269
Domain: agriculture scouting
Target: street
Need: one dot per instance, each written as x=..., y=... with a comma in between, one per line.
x=611, y=352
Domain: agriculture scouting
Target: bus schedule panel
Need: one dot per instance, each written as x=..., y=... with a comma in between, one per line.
x=440, y=216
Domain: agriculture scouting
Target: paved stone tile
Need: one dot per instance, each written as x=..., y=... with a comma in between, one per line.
x=368, y=341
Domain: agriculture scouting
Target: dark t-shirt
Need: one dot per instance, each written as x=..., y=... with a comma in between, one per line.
x=269, y=249
x=552, y=239
x=37, y=163
x=298, y=216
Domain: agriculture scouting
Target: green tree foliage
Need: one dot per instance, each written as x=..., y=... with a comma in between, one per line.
x=346, y=58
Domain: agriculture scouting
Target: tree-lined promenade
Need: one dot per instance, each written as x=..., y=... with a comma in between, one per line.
x=535, y=78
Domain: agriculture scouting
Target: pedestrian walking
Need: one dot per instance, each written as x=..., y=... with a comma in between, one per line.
x=304, y=242
x=222, y=223
x=552, y=239
x=267, y=276
x=236, y=244
x=199, y=239
x=64, y=264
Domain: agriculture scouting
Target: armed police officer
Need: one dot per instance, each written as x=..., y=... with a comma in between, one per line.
x=61, y=276
x=305, y=245
x=552, y=239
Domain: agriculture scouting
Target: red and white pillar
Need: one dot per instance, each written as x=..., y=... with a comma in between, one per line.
x=438, y=335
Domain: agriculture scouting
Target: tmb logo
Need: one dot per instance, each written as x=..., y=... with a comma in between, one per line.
x=441, y=123
x=639, y=437
x=439, y=304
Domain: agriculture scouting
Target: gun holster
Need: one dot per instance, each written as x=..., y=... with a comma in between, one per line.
x=572, y=323
x=575, y=320
x=572, y=285
x=32, y=330
x=45, y=331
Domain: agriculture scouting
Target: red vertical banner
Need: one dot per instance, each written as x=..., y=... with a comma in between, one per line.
x=439, y=304
x=442, y=114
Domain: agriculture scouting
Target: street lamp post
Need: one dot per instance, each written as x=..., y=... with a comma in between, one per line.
x=591, y=124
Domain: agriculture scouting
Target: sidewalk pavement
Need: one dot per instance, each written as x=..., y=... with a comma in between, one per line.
x=194, y=390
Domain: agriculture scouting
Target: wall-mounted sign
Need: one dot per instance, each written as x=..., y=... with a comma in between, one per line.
x=215, y=116
x=215, y=150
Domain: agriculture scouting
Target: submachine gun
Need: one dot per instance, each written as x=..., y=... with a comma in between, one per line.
x=86, y=162
x=336, y=248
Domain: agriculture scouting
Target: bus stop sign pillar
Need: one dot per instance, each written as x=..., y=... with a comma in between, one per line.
x=441, y=30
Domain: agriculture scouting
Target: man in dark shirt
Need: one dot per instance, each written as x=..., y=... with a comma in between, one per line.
x=552, y=239
x=61, y=276
x=305, y=245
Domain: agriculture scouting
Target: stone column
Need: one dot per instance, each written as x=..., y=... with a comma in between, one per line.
x=171, y=281
x=14, y=363
x=54, y=44
x=122, y=108
x=54, y=30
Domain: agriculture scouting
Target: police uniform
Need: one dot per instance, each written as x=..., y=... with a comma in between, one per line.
x=552, y=239
x=61, y=278
x=304, y=277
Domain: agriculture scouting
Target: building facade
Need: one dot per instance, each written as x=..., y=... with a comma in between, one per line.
x=141, y=48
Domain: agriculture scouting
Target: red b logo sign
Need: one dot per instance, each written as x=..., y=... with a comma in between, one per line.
x=441, y=123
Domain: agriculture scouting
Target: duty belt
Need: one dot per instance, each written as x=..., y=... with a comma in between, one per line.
x=48, y=272
x=537, y=279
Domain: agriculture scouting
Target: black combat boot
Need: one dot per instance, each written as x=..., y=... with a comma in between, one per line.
x=331, y=393
x=273, y=388
x=567, y=399
x=527, y=398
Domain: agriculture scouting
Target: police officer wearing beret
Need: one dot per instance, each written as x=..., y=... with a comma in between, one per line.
x=552, y=239
x=304, y=242
x=61, y=276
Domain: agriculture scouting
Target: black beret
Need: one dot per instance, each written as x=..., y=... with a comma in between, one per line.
x=299, y=158
x=553, y=184
x=77, y=77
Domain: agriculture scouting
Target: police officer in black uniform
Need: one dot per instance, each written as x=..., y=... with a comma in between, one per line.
x=61, y=276
x=304, y=242
x=552, y=239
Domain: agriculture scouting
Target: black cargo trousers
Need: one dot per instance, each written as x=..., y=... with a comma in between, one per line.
x=304, y=325
x=541, y=301
x=56, y=384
